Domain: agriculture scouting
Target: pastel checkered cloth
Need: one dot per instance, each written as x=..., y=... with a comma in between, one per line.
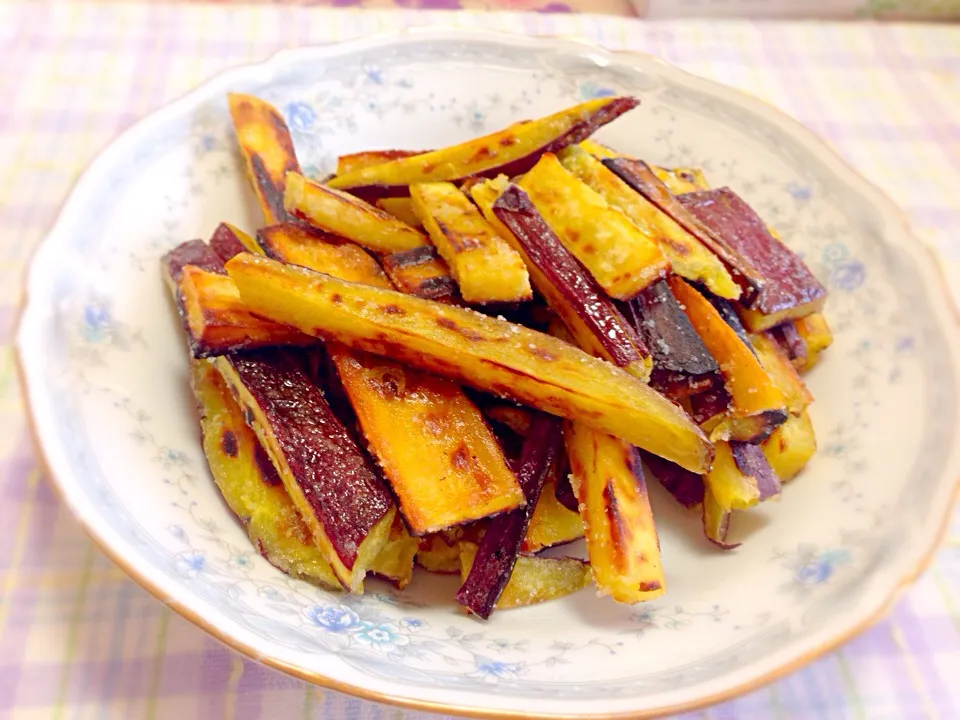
x=80, y=640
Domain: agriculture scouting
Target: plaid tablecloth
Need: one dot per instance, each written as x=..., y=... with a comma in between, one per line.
x=80, y=640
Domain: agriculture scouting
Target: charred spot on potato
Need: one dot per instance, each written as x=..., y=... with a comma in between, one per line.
x=678, y=248
x=460, y=457
x=508, y=140
x=436, y=287
x=228, y=443
x=618, y=529
x=541, y=353
x=269, y=190
x=393, y=310
x=392, y=384
x=268, y=473
x=649, y=586
x=416, y=256
x=467, y=333
x=336, y=298
x=482, y=153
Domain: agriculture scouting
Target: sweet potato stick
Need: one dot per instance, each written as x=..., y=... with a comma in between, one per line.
x=488, y=353
x=339, y=495
x=500, y=544
x=622, y=541
x=787, y=289
x=228, y=241
x=343, y=214
x=511, y=151
x=214, y=318
x=790, y=447
x=682, y=365
x=352, y=162
x=267, y=149
x=685, y=486
x=757, y=405
x=421, y=272
x=533, y=580
x=249, y=483
x=486, y=268
x=740, y=478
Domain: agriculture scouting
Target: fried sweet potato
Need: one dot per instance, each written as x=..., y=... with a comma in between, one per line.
x=678, y=180
x=396, y=560
x=682, y=365
x=782, y=372
x=515, y=418
x=716, y=522
x=622, y=259
x=789, y=340
x=228, y=240
x=484, y=265
x=214, y=318
x=685, y=486
x=333, y=484
x=485, y=352
x=688, y=257
x=511, y=151
x=401, y=208
x=786, y=289
x=638, y=175
x=250, y=484
x=564, y=488
x=681, y=180
x=441, y=459
x=349, y=217
x=757, y=405
x=740, y=478
x=592, y=318
x=598, y=150
x=790, y=447
x=353, y=162
x=421, y=272
x=443, y=462
x=552, y=523
x=533, y=580
x=499, y=547
x=267, y=149
x=193, y=253
x=816, y=336
x=439, y=553
x=622, y=542
x=709, y=407
x=317, y=250
x=219, y=322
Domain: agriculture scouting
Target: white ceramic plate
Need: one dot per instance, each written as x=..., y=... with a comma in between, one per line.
x=106, y=374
